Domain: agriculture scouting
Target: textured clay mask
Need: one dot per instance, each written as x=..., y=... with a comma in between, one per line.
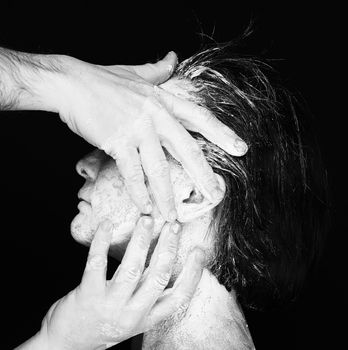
x=105, y=196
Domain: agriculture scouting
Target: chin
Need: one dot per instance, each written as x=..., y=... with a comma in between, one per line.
x=83, y=227
x=85, y=223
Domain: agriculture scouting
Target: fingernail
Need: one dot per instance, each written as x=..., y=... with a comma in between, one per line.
x=147, y=208
x=147, y=221
x=107, y=225
x=241, y=146
x=172, y=215
x=176, y=228
x=168, y=55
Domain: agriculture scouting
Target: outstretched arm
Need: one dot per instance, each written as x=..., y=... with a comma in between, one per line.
x=25, y=80
x=120, y=110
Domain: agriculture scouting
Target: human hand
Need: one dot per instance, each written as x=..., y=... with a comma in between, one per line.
x=119, y=110
x=100, y=313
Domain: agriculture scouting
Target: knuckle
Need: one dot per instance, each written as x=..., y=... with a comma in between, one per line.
x=165, y=259
x=96, y=261
x=136, y=174
x=142, y=242
x=147, y=122
x=169, y=248
x=172, y=247
x=161, y=279
x=131, y=273
x=182, y=300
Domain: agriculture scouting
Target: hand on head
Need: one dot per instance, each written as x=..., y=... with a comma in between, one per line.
x=120, y=110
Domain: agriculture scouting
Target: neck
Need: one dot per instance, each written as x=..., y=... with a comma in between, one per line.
x=213, y=320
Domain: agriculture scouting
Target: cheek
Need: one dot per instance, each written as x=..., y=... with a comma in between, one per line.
x=110, y=200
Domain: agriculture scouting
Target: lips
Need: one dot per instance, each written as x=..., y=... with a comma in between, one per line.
x=84, y=207
x=84, y=200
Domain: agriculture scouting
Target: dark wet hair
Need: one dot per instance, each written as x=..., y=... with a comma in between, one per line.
x=272, y=221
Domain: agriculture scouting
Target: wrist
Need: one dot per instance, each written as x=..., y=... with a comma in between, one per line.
x=44, y=83
x=54, y=88
x=30, y=81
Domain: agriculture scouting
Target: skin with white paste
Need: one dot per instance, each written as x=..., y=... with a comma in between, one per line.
x=213, y=320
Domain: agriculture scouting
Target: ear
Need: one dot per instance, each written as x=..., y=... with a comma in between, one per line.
x=193, y=203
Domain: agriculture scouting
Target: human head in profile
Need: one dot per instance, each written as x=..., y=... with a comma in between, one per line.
x=265, y=234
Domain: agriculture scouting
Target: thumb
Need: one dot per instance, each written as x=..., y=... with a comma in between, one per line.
x=158, y=73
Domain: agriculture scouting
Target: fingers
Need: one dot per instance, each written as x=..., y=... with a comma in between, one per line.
x=95, y=271
x=129, y=165
x=129, y=272
x=199, y=119
x=190, y=155
x=180, y=295
x=160, y=268
x=158, y=73
x=156, y=168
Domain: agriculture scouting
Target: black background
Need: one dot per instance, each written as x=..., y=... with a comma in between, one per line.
x=41, y=262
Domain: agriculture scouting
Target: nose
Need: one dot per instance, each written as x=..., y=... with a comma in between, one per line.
x=88, y=167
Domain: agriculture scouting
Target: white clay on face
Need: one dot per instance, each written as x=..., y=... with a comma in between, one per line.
x=109, y=199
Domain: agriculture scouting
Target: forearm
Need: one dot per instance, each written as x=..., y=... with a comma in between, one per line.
x=27, y=81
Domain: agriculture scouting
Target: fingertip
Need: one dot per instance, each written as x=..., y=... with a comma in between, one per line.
x=240, y=146
x=217, y=194
x=171, y=55
x=198, y=256
x=172, y=60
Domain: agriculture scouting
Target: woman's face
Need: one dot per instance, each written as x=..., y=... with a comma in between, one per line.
x=105, y=196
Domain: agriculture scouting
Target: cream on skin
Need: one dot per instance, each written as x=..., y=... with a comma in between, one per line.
x=213, y=320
